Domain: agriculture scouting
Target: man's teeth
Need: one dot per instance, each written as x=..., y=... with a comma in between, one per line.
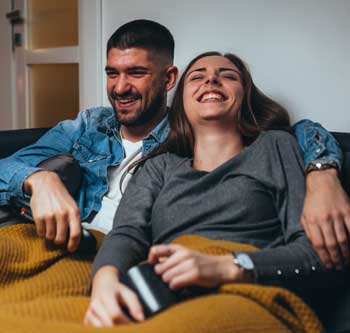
x=214, y=96
x=124, y=101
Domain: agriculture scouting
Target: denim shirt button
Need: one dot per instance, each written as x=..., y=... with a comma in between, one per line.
x=318, y=150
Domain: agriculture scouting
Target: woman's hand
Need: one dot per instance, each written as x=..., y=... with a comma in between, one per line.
x=107, y=298
x=181, y=267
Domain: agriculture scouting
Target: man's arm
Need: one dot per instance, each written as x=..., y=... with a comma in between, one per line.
x=326, y=212
x=54, y=210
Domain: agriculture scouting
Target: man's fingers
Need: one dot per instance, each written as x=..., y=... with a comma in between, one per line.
x=40, y=226
x=305, y=226
x=61, y=229
x=342, y=239
x=74, y=230
x=50, y=227
x=332, y=245
x=319, y=245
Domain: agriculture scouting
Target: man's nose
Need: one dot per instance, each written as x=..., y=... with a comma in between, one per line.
x=122, y=86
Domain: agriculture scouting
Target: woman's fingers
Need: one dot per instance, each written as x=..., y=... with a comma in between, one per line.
x=177, y=269
x=96, y=315
x=174, y=260
x=185, y=279
x=92, y=319
x=130, y=300
x=102, y=312
x=158, y=252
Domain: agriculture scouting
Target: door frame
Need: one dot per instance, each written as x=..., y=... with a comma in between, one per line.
x=87, y=54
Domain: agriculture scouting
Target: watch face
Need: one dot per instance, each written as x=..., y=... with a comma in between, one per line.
x=245, y=261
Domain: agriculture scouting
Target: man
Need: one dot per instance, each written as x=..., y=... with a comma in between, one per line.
x=106, y=141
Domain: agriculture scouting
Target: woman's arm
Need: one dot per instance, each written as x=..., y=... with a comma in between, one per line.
x=180, y=267
x=108, y=297
x=126, y=245
x=296, y=262
x=128, y=242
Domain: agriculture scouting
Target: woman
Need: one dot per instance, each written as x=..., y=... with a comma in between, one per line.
x=224, y=177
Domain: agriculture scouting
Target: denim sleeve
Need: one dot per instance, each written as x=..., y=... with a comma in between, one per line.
x=317, y=144
x=17, y=167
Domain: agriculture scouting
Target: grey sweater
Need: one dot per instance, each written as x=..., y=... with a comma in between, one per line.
x=254, y=198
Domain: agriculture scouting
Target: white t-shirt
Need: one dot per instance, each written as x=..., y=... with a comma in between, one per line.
x=103, y=221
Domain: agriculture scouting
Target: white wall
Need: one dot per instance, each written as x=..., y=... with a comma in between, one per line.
x=5, y=68
x=298, y=51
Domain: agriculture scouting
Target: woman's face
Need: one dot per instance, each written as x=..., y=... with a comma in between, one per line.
x=213, y=90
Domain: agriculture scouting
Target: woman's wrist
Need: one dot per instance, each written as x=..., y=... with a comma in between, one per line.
x=232, y=272
x=105, y=276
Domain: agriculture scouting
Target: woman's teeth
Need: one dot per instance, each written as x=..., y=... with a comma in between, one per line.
x=212, y=96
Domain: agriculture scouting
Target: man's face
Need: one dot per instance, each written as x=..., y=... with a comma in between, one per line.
x=136, y=85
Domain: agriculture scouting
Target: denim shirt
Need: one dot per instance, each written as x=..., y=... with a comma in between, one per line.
x=316, y=143
x=93, y=139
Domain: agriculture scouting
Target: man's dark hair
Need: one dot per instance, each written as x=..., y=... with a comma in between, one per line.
x=144, y=34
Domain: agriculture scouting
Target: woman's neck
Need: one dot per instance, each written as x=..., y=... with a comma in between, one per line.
x=215, y=146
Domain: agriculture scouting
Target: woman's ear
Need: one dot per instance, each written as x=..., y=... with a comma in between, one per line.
x=171, y=77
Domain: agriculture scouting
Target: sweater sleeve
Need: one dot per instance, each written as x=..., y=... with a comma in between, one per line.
x=295, y=263
x=128, y=242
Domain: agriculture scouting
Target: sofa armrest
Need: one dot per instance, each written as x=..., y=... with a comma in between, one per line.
x=13, y=140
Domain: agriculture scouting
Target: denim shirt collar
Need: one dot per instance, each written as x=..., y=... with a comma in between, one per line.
x=161, y=131
x=153, y=139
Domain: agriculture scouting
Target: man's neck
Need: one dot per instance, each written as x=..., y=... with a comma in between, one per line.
x=138, y=133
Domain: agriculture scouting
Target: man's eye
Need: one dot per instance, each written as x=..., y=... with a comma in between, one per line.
x=111, y=75
x=137, y=74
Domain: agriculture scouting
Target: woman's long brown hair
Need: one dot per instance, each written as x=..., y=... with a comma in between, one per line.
x=258, y=113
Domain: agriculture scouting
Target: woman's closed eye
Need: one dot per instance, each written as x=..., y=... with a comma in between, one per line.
x=196, y=77
x=230, y=77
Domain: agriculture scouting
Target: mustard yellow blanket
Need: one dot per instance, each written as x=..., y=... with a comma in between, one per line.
x=44, y=289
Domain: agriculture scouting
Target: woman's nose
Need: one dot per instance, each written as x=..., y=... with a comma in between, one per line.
x=213, y=79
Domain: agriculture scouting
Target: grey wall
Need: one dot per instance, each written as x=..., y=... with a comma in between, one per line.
x=298, y=51
x=5, y=68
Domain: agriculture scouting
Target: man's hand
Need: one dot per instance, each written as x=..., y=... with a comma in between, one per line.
x=107, y=298
x=181, y=267
x=54, y=210
x=326, y=217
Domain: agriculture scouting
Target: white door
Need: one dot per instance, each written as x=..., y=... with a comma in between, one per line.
x=6, y=115
x=50, y=78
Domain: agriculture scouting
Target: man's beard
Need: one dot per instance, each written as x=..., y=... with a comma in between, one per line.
x=141, y=117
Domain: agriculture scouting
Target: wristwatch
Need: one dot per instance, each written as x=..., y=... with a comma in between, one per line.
x=321, y=165
x=243, y=261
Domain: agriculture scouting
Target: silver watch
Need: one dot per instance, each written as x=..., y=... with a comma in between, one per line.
x=244, y=261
